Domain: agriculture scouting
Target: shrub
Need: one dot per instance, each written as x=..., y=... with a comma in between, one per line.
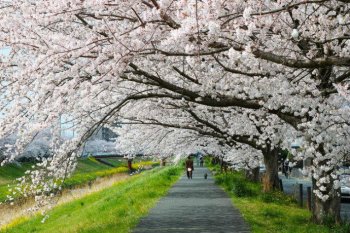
x=234, y=182
x=172, y=172
x=241, y=189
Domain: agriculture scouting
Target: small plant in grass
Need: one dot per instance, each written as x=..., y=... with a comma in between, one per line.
x=341, y=228
x=329, y=221
x=277, y=197
x=273, y=213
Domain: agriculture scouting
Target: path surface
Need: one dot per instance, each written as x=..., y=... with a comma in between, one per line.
x=196, y=205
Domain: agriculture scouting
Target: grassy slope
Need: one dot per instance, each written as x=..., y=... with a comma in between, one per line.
x=115, y=209
x=271, y=212
x=8, y=174
x=87, y=170
x=12, y=171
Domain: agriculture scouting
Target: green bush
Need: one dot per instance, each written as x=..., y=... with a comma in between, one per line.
x=241, y=189
x=235, y=183
x=172, y=172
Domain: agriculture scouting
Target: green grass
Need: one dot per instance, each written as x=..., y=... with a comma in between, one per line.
x=87, y=170
x=90, y=169
x=12, y=171
x=115, y=209
x=89, y=165
x=122, y=162
x=270, y=212
x=8, y=174
x=116, y=162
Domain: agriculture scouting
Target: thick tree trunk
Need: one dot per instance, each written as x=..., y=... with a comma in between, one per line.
x=253, y=174
x=270, y=179
x=130, y=165
x=215, y=160
x=162, y=162
x=329, y=210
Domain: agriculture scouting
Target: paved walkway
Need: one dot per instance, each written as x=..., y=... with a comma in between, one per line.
x=196, y=205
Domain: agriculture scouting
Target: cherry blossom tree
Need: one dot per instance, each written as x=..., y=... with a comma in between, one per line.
x=232, y=127
x=282, y=60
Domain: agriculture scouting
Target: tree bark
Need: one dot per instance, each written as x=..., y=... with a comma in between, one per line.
x=329, y=210
x=253, y=174
x=130, y=165
x=270, y=179
x=162, y=162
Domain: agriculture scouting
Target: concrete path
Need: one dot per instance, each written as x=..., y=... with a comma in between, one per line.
x=196, y=205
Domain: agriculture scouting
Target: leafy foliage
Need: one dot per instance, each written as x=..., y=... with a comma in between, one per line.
x=237, y=185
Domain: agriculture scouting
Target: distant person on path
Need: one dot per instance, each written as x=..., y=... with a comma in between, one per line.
x=290, y=166
x=201, y=161
x=286, y=168
x=189, y=167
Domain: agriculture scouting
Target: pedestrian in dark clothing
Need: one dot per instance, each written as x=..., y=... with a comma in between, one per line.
x=201, y=161
x=286, y=168
x=189, y=167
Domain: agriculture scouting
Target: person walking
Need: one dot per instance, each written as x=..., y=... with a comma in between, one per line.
x=286, y=168
x=189, y=167
x=201, y=161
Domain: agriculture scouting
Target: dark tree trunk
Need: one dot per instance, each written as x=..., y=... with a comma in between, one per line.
x=328, y=210
x=221, y=165
x=253, y=174
x=270, y=179
x=162, y=162
x=214, y=160
x=130, y=165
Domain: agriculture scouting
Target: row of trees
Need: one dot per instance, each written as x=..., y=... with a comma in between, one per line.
x=236, y=79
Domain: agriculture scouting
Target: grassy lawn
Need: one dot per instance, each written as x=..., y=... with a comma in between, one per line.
x=12, y=171
x=87, y=170
x=269, y=212
x=115, y=209
x=8, y=174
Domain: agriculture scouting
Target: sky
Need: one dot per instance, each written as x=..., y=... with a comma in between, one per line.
x=5, y=51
